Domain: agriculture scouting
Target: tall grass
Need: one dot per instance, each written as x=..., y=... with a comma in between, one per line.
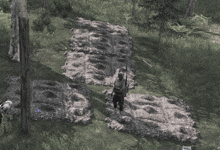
x=186, y=68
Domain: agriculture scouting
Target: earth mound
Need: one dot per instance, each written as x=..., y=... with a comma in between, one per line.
x=52, y=100
x=146, y=115
x=98, y=55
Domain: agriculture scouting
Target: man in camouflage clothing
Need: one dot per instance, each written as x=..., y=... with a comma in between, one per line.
x=119, y=85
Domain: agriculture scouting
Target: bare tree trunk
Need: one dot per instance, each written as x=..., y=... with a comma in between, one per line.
x=24, y=66
x=175, y=5
x=14, y=49
x=191, y=12
x=161, y=33
x=44, y=4
x=133, y=9
x=190, y=8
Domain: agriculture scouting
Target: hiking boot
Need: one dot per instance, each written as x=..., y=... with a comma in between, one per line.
x=122, y=113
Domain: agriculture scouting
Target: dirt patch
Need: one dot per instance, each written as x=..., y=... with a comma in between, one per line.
x=52, y=100
x=152, y=116
x=97, y=56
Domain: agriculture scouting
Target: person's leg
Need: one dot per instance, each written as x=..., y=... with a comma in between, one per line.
x=115, y=100
x=121, y=103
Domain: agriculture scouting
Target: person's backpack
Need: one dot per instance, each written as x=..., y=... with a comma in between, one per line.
x=118, y=86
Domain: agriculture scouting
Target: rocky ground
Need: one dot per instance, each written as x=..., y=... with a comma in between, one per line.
x=98, y=51
x=145, y=115
x=52, y=100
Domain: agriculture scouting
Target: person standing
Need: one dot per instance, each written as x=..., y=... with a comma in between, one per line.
x=118, y=88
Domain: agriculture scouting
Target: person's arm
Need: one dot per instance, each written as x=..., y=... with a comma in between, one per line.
x=123, y=86
x=113, y=89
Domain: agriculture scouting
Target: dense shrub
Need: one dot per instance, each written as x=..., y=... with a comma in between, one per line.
x=53, y=10
x=61, y=8
x=38, y=24
x=51, y=28
x=46, y=20
x=45, y=16
x=5, y=6
x=42, y=21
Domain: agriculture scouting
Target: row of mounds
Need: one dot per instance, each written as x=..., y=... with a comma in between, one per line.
x=97, y=69
x=52, y=100
x=146, y=115
x=98, y=53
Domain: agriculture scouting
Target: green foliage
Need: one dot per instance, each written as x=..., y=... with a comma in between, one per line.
x=45, y=16
x=5, y=126
x=160, y=10
x=5, y=29
x=42, y=21
x=51, y=28
x=201, y=21
x=46, y=20
x=188, y=25
x=53, y=10
x=38, y=25
x=5, y=6
x=57, y=7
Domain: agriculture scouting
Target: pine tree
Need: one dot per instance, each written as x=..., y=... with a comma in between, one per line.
x=165, y=11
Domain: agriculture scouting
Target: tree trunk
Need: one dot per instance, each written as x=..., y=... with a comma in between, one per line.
x=161, y=31
x=161, y=34
x=191, y=12
x=14, y=49
x=133, y=9
x=24, y=66
x=44, y=4
x=175, y=5
x=190, y=8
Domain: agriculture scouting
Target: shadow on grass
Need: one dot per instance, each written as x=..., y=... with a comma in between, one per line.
x=39, y=129
x=149, y=77
x=97, y=96
x=37, y=71
x=59, y=46
x=196, y=70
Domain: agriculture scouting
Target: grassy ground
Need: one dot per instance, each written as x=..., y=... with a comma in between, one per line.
x=187, y=68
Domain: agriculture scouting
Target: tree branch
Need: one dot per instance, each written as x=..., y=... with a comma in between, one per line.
x=147, y=63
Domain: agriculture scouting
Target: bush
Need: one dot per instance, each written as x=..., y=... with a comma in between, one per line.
x=5, y=6
x=53, y=10
x=60, y=7
x=45, y=16
x=199, y=21
x=51, y=28
x=38, y=25
x=46, y=20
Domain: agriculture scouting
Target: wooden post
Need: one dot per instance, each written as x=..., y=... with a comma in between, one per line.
x=24, y=66
x=14, y=49
x=161, y=34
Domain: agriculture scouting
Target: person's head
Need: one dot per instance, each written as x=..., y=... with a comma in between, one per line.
x=120, y=75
